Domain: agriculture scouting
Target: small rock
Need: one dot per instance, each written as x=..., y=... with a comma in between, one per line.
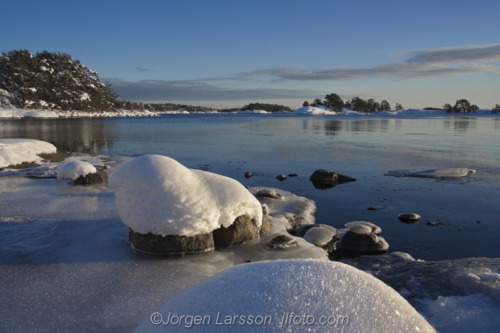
x=293, y=175
x=375, y=208
x=431, y=223
x=92, y=178
x=362, y=240
x=248, y=174
x=268, y=194
x=281, y=177
x=282, y=242
x=409, y=218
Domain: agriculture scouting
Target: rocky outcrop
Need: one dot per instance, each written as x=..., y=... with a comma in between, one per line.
x=362, y=239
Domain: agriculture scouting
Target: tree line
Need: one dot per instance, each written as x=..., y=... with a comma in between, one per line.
x=335, y=103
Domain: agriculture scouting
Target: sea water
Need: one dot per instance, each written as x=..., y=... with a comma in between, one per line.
x=464, y=211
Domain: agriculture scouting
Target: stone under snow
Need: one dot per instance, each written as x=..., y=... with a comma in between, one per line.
x=74, y=169
x=17, y=151
x=156, y=194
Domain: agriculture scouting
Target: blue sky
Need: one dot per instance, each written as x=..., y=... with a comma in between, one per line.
x=229, y=53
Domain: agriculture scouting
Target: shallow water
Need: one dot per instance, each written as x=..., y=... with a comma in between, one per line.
x=364, y=147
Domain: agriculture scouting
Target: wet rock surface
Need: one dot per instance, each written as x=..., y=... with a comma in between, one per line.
x=170, y=245
x=268, y=194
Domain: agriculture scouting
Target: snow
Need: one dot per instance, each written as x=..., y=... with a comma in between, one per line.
x=254, y=112
x=288, y=295
x=159, y=195
x=17, y=151
x=73, y=170
x=433, y=173
x=19, y=113
x=320, y=236
x=312, y=110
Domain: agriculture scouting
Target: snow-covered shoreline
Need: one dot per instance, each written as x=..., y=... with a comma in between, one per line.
x=308, y=110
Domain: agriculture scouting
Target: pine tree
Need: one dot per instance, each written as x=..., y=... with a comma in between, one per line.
x=399, y=107
x=384, y=106
x=334, y=102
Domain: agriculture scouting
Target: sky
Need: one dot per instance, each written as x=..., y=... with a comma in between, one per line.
x=230, y=53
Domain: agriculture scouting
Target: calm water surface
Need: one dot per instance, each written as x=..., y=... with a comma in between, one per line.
x=364, y=147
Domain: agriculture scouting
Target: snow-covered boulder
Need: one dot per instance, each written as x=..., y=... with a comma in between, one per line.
x=17, y=151
x=156, y=194
x=287, y=296
x=74, y=169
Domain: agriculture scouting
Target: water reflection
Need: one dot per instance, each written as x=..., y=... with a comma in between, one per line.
x=88, y=136
x=460, y=125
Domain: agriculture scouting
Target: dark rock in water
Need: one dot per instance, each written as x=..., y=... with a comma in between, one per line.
x=268, y=194
x=293, y=175
x=92, y=178
x=281, y=177
x=242, y=230
x=432, y=223
x=248, y=174
x=325, y=179
x=409, y=218
x=375, y=208
x=267, y=225
x=361, y=239
x=170, y=245
x=282, y=242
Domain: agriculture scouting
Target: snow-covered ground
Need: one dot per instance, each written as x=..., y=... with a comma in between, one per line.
x=65, y=266
x=7, y=112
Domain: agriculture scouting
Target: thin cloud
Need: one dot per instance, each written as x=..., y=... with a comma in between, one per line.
x=143, y=69
x=419, y=64
x=156, y=90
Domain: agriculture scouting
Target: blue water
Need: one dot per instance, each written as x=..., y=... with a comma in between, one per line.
x=364, y=147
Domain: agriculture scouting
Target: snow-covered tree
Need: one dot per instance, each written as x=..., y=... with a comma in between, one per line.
x=54, y=81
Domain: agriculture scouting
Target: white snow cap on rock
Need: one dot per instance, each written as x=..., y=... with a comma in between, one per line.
x=288, y=296
x=156, y=194
x=73, y=170
x=17, y=151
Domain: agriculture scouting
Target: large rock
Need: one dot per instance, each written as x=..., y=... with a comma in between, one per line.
x=325, y=179
x=170, y=245
x=267, y=225
x=92, y=178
